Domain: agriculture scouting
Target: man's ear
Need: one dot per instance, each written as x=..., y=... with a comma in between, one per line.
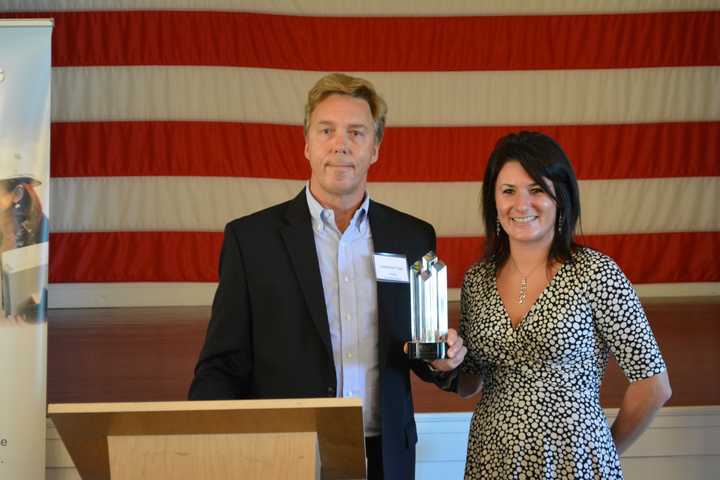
x=307, y=149
x=376, y=154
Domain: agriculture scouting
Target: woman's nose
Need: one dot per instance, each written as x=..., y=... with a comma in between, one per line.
x=522, y=201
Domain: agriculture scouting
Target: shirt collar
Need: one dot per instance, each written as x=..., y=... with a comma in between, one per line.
x=323, y=217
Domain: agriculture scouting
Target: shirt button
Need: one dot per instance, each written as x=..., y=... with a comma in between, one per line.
x=347, y=279
x=348, y=316
x=349, y=355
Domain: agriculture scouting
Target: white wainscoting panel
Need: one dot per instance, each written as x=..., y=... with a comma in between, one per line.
x=681, y=443
x=58, y=464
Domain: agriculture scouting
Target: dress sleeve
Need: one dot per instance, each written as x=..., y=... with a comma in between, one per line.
x=621, y=322
x=470, y=298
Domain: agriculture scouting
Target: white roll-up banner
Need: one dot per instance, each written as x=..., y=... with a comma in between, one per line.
x=24, y=194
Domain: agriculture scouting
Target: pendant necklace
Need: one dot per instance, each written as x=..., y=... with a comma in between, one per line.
x=524, y=280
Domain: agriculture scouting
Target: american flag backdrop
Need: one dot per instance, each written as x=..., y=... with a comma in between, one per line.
x=171, y=118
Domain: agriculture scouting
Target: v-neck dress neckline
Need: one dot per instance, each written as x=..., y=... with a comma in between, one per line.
x=523, y=319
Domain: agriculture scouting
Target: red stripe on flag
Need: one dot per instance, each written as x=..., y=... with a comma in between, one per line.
x=89, y=149
x=663, y=257
x=193, y=256
x=134, y=257
x=645, y=258
x=384, y=43
x=408, y=154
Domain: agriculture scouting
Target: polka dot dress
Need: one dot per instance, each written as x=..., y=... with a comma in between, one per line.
x=539, y=416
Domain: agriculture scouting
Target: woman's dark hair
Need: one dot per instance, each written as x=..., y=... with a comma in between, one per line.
x=542, y=158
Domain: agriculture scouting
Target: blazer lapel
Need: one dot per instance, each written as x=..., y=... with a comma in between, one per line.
x=385, y=240
x=300, y=243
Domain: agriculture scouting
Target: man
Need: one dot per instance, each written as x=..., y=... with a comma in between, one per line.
x=22, y=224
x=299, y=311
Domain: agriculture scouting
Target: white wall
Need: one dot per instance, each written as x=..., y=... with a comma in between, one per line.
x=682, y=443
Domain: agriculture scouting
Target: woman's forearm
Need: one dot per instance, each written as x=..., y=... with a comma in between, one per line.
x=641, y=402
x=469, y=385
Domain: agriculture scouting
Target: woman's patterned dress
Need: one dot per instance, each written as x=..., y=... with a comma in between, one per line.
x=539, y=416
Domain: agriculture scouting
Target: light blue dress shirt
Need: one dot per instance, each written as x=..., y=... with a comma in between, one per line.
x=348, y=277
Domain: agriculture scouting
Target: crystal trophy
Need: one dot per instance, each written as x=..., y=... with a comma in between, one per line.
x=428, y=308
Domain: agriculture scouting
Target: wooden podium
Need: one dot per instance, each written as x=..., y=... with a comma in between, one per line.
x=249, y=439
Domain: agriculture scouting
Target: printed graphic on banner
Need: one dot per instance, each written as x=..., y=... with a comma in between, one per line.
x=24, y=195
x=24, y=244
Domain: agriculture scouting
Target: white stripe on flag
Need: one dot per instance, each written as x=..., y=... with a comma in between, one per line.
x=154, y=294
x=558, y=97
x=374, y=7
x=208, y=203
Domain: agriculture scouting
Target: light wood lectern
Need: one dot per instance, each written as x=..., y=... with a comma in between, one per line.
x=249, y=439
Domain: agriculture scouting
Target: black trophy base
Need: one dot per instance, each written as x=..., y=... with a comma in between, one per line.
x=426, y=351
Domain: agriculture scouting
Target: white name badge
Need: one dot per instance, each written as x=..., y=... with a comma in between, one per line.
x=391, y=267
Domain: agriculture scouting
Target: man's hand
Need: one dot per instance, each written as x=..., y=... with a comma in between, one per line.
x=455, y=353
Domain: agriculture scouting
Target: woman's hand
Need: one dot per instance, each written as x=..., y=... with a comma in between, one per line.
x=455, y=353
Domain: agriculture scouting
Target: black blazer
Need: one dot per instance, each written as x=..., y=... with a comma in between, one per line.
x=268, y=336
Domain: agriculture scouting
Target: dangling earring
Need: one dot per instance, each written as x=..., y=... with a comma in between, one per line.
x=497, y=227
x=561, y=219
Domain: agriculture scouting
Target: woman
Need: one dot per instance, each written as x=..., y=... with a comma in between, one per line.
x=539, y=315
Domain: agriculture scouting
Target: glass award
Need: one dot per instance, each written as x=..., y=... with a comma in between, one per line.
x=428, y=308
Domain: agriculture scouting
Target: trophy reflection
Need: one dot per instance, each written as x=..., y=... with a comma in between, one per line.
x=428, y=308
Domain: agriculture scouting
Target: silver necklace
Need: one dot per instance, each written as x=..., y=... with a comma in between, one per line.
x=523, y=280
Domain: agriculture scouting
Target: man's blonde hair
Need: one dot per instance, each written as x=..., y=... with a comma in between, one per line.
x=341, y=84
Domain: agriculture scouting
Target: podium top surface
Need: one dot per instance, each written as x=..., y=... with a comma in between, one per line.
x=199, y=406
